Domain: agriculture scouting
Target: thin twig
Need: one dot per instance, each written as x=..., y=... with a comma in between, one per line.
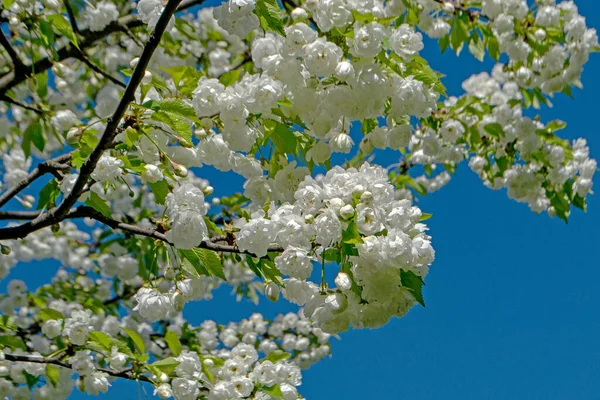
x=59, y=213
x=72, y=19
x=18, y=75
x=88, y=212
x=126, y=374
x=20, y=104
x=11, y=51
x=56, y=164
x=81, y=56
x=114, y=120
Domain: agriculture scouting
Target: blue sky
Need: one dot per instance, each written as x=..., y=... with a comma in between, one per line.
x=512, y=298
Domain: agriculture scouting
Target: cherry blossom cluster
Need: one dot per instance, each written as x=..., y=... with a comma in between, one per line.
x=99, y=127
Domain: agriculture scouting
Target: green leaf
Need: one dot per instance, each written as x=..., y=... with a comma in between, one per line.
x=42, y=84
x=32, y=380
x=48, y=313
x=494, y=129
x=185, y=77
x=556, y=125
x=276, y=356
x=211, y=262
x=46, y=33
x=176, y=122
x=477, y=48
x=98, y=204
x=414, y=283
x=351, y=235
x=493, y=47
x=53, y=374
x=270, y=16
x=425, y=216
x=60, y=23
x=48, y=195
x=102, y=339
x=199, y=261
x=173, y=106
x=444, y=42
x=173, y=342
x=7, y=3
x=160, y=190
x=282, y=136
x=33, y=134
x=137, y=340
x=7, y=323
x=231, y=77
x=273, y=391
x=191, y=264
x=167, y=365
x=12, y=342
x=459, y=35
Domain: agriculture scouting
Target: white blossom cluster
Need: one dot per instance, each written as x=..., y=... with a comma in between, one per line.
x=345, y=206
x=546, y=163
x=269, y=94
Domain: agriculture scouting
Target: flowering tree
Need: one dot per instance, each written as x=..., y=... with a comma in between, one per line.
x=109, y=109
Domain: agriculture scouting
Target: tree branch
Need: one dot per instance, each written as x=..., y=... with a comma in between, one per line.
x=72, y=19
x=18, y=75
x=88, y=212
x=81, y=56
x=11, y=51
x=57, y=214
x=20, y=104
x=126, y=374
x=113, y=121
x=56, y=164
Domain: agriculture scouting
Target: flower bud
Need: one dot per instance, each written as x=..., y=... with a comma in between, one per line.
x=272, y=291
x=164, y=391
x=343, y=282
x=299, y=14
x=4, y=371
x=540, y=34
x=164, y=378
x=208, y=363
x=180, y=170
x=344, y=70
x=336, y=302
x=133, y=63
x=448, y=7
x=28, y=201
x=169, y=274
x=366, y=197
x=5, y=249
x=208, y=190
x=147, y=78
x=52, y=4
x=178, y=301
x=347, y=211
x=74, y=135
x=358, y=190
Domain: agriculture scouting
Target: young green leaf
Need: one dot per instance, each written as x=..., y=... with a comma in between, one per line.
x=173, y=342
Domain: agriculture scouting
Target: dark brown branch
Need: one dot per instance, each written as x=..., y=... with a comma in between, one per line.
x=11, y=51
x=56, y=164
x=13, y=78
x=88, y=212
x=114, y=120
x=59, y=213
x=126, y=374
x=81, y=56
x=20, y=104
x=72, y=19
